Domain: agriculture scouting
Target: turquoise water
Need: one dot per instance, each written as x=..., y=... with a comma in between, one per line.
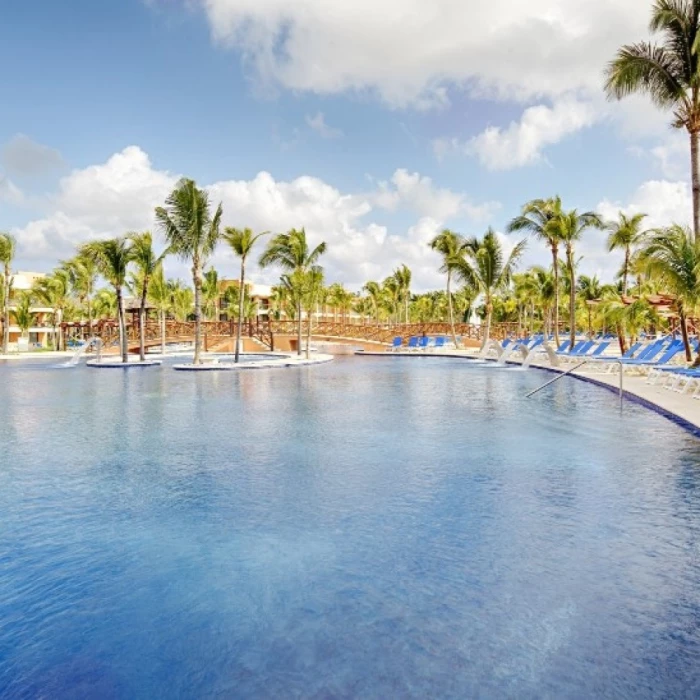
x=373, y=528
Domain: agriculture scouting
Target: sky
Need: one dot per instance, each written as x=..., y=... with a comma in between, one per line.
x=374, y=124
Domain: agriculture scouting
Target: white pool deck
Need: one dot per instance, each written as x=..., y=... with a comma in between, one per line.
x=680, y=407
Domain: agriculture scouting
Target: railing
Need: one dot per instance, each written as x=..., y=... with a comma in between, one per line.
x=265, y=330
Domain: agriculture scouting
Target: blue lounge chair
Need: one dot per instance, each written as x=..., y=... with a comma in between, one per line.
x=412, y=342
x=424, y=342
x=440, y=342
x=651, y=359
x=396, y=344
x=577, y=348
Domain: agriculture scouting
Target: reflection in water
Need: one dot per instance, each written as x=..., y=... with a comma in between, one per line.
x=368, y=528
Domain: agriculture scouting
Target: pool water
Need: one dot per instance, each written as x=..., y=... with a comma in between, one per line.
x=370, y=528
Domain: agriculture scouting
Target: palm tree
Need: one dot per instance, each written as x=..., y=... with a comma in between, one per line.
x=192, y=233
x=625, y=233
x=82, y=276
x=160, y=296
x=482, y=264
x=147, y=262
x=589, y=290
x=537, y=218
x=668, y=73
x=241, y=242
x=673, y=255
x=374, y=293
x=570, y=227
x=448, y=243
x=181, y=300
x=24, y=317
x=292, y=253
x=7, y=254
x=112, y=258
x=403, y=279
x=105, y=304
x=210, y=294
x=54, y=291
x=313, y=288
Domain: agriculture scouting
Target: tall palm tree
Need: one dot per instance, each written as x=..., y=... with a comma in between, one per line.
x=54, y=291
x=241, y=242
x=625, y=233
x=589, y=290
x=291, y=252
x=82, y=275
x=374, y=293
x=7, y=255
x=210, y=294
x=192, y=233
x=673, y=255
x=147, y=262
x=669, y=73
x=181, y=300
x=537, y=218
x=402, y=275
x=570, y=227
x=482, y=264
x=105, y=304
x=448, y=244
x=24, y=317
x=313, y=288
x=112, y=258
x=160, y=296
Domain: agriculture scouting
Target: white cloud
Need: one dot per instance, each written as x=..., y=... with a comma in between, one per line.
x=101, y=200
x=663, y=201
x=121, y=194
x=9, y=192
x=23, y=156
x=418, y=194
x=523, y=142
x=318, y=124
x=503, y=48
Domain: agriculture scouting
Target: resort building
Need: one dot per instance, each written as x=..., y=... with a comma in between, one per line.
x=40, y=334
x=259, y=294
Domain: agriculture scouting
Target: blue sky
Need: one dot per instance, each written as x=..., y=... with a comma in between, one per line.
x=374, y=138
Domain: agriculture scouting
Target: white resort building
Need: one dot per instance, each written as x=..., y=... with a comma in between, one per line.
x=40, y=334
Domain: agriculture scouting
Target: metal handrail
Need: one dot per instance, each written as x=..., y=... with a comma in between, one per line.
x=556, y=379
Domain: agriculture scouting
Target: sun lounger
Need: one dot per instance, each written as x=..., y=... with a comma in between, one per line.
x=396, y=344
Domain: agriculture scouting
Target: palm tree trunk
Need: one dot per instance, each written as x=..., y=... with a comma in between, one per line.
x=299, y=321
x=487, y=330
x=241, y=300
x=622, y=340
x=555, y=263
x=450, y=308
x=123, y=343
x=197, y=279
x=684, y=333
x=142, y=321
x=308, y=333
x=6, y=312
x=625, y=272
x=572, y=298
x=695, y=170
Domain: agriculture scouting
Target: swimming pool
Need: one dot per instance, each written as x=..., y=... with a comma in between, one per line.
x=375, y=528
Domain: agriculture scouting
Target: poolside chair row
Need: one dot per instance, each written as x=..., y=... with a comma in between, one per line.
x=419, y=343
